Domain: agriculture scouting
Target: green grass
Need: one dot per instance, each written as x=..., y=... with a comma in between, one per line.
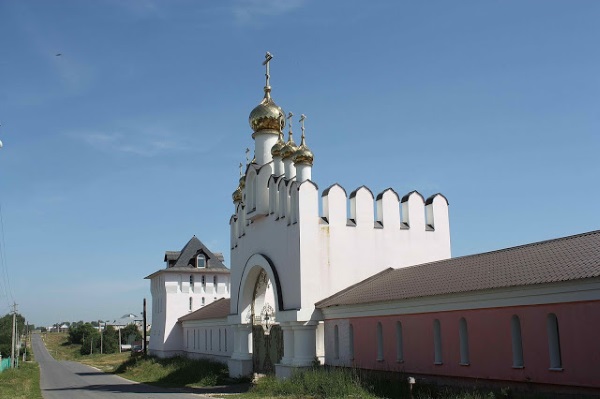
x=174, y=372
x=316, y=383
x=59, y=347
x=22, y=382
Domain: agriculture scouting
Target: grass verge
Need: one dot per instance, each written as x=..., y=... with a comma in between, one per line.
x=59, y=347
x=22, y=382
x=174, y=372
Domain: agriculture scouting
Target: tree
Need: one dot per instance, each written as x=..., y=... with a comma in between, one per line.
x=6, y=323
x=130, y=333
x=110, y=340
x=78, y=332
x=90, y=343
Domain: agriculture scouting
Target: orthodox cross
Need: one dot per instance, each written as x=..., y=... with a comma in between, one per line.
x=247, y=156
x=302, y=118
x=289, y=118
x=268, y=57
x=240, y=169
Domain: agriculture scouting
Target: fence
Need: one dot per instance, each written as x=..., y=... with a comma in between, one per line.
x=4, y=364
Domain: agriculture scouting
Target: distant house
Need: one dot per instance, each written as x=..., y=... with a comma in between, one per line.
x=125, y=320
x=193, y=278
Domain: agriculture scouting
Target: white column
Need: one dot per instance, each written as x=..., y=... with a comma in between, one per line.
x=263, y=142
x=278, y=163
x=288, y=344
x=241, y=344
x=305, y=344
x=290, y=169
x=303, y=172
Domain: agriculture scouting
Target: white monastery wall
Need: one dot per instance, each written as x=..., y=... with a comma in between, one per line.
x=208, y=339
x=172, y=291
x=318, y=255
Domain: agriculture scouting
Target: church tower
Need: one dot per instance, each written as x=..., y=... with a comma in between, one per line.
x=286, y=255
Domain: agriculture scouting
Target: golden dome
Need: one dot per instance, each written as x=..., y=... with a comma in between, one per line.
x=267, y=115
x=276, y=149
x=237, y=195
x=289, y=148
x=303, y=154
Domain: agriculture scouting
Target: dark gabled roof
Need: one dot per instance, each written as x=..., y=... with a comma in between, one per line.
x=172, y=255
x=563, y=259
x=187, y=256
x=217, y=310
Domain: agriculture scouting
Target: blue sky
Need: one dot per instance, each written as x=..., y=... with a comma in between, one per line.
x=128, y=143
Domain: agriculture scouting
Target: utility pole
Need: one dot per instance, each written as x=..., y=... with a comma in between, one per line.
x=144, y=327
x=119, y=339
x=100, y=328
x=14, y=331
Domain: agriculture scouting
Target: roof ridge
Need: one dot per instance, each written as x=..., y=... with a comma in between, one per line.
x=508, y=249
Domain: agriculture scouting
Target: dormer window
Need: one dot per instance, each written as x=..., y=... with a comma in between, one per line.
x=201, y=261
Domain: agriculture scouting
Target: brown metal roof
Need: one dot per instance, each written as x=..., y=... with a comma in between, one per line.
x=563, y=259
x=217, y=310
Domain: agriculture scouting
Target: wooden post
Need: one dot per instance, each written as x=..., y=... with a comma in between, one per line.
x=144, y=327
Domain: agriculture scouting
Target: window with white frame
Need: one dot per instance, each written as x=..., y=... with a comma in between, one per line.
x=554, y=342
x=437, y=342
x=200, y=261
x=351, y=341
x=517, y=342
x=379, y=342
x=399, y=343
x=336, y=342
x=463, y=335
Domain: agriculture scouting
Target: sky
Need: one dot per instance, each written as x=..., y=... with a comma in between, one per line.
x=128, y=143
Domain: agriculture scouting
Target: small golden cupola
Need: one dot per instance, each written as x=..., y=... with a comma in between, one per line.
x=303, y=154
x=267, y=117
x=239, y=191
x=289, y=149
x=278, y=146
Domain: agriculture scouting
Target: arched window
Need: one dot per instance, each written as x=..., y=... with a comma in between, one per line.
x=399, y=343
x=219, y=340
x=225, y=339
x=437, y=342
x=517, y=342
x=205, y=340
x=336, y=342
x=211, y=340
x=204, y=282
x=554, y=342
x=200, y=261
x=203, y=301
x=351, y=342
x=463, y=335
x=191, y=301
x=194, y=338
x=215, y=283
x=191, y=282
x=379, y=342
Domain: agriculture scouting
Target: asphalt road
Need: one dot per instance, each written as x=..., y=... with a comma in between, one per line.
x=72, y=380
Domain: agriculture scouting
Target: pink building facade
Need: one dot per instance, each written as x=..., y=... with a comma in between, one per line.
x=542, y=333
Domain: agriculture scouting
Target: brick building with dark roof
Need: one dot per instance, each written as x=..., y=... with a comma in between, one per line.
x=529, y=313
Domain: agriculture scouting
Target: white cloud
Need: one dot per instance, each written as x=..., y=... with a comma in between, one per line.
x=137, y=141
x=252, y=12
